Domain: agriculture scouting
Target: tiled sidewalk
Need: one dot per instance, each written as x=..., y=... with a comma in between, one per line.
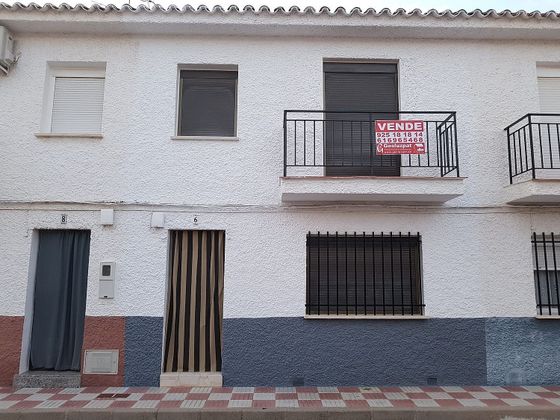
x=300, y=397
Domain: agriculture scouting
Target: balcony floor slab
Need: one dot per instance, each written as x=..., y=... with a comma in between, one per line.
x=371, y=189
x=535, y=192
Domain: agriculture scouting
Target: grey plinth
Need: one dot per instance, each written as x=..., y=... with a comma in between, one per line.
x=47, y=379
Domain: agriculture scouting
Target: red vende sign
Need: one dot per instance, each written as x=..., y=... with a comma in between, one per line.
x=400, y=137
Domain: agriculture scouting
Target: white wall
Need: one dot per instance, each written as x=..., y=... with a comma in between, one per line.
x=476, y=252
x=489, y=85
x=475, y=263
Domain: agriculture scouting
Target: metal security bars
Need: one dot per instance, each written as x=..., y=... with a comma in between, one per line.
x=342, y=143
x=546, y=264
x=534, y=147
x=364, y=274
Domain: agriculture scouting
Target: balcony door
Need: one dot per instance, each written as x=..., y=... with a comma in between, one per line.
x=546, y=134
x=355, y=95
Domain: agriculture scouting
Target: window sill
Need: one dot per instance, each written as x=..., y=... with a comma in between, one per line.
x=372, y=317
x=69, y=135
x=550, y=317
x=205, y=138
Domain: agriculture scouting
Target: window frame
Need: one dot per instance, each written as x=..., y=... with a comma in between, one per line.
x=205, y=68
x=545, y=250
x=546, y=71
x=419, y=286
x=69, y=70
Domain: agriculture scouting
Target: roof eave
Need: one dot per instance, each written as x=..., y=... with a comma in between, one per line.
x=108, y=20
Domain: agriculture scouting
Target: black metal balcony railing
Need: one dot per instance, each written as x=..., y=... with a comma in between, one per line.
x=534, y=146
x=342, y=143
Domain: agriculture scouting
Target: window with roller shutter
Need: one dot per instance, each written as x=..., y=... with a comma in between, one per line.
x=207, y=103
x=77, y=105
x=549, y=94
x=73, y=100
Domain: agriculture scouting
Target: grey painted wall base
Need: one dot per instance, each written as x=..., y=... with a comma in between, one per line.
x=295, y=351
x=288, y=351
x=523, y=351
x=143, y=349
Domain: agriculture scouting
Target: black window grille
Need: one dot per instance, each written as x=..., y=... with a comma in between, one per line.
x=364, y=274
x=546, y=265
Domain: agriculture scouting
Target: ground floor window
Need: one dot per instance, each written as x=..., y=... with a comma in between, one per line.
x=546, y=266
x=364, y=274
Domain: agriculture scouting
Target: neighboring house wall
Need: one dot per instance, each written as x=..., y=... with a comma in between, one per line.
x=477, y=264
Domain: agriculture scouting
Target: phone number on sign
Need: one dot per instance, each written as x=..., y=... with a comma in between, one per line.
x=400, y=136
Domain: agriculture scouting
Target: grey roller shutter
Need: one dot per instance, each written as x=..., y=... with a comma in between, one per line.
x=349, y=139
x=208, y=103
x=77, y=105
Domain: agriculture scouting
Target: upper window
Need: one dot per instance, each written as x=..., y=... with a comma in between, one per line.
x=546, y=266
x=207, y=103
x=549, y=89
x=364, y=274
x=74, y=100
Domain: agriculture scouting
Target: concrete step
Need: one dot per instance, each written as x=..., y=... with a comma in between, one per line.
x=47, y=379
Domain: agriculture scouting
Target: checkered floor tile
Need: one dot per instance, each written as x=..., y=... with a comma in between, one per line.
x=282, y=397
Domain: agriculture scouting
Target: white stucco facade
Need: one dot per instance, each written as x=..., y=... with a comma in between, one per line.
x=476, y=249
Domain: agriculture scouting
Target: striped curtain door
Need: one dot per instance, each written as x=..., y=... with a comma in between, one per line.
x=193, y=339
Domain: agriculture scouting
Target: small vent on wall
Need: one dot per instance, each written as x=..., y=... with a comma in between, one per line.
x=101, y=362
x=298, y=381
x=516, y=377
x=432, y=380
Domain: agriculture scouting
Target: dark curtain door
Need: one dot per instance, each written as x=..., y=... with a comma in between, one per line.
x=193, y=337
x=349, y=142
x=59, y=304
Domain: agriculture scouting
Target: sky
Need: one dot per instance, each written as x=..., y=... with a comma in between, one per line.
x=529, y=5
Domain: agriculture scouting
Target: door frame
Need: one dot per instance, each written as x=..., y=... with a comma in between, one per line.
x=341, y=60
x=29, y=303
x=29, y=307
x=189, y=378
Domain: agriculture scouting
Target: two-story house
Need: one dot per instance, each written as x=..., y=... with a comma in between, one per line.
x=279, y=197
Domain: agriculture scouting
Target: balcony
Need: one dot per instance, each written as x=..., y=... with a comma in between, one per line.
x=534, y=160
x=333, y=157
